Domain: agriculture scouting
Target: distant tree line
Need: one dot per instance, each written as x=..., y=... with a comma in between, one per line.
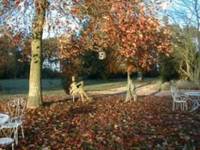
x=15, y=62
x=183, y=62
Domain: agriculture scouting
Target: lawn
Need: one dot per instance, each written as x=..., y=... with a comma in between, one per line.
x=108, y=123
x=54, y=86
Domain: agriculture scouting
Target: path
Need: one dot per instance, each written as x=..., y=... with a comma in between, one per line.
x=148, y=88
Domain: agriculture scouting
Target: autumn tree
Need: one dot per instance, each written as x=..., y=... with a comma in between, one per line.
x=69, y=55
x=135, y=36
x=35, y=17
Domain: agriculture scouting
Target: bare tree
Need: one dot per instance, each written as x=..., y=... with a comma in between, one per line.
x=186, y=13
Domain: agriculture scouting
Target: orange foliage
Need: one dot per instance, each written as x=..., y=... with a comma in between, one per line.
x=69, y=48
x=124, y=27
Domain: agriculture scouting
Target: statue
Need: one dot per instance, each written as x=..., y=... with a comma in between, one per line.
x=131, y=89
x=78, y=89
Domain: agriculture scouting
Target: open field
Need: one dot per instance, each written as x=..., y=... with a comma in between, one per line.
x=54, y=86
x=20, y=86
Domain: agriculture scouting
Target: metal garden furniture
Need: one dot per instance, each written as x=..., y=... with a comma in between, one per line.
x=195, y=99
x=3, y=118
x=16, y=110
x=179, y=99
x=6, y=139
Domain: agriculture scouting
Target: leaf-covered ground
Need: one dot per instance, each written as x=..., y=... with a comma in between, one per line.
x=108, y=123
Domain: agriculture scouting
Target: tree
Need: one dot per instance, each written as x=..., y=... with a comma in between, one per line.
x=124, y=27
x=8, y=61
x=17, y=17
x=35, y=96
x=94, y=68
x=186, y=53
x=188, y=16
x=168, y=67
x=187, y=34
x=14, y=28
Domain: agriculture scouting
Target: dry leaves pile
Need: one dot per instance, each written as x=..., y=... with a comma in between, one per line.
x=109, y=123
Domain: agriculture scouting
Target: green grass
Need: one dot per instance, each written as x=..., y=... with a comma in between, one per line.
x=21, y=85
x=104, y=85
x=54, y=86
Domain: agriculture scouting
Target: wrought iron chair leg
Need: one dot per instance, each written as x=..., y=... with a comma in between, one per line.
x=186, y=106
x=13, y=146
x=16, y=135
x=22, y=129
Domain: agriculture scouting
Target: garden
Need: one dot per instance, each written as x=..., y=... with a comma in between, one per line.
x=99, y=74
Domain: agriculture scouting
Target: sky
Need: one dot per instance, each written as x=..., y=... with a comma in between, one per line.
x=59, y=22
x=182, y=12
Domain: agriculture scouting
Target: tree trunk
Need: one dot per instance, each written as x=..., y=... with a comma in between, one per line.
x=35, y=94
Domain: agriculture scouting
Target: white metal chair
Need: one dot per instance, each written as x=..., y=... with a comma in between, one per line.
x=6, y=138
x=16, y=110
x=179, y=99
x=193, y=99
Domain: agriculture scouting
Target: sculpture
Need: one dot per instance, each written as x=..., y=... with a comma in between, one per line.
x=131, y=88
x=78, y=89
